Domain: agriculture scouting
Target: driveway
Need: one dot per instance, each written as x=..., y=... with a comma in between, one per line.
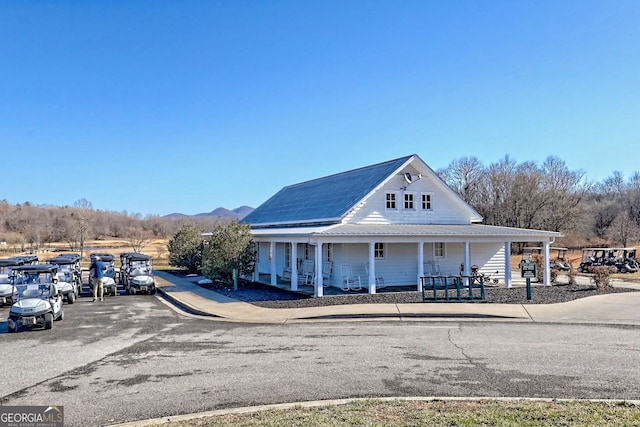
x=135, y=357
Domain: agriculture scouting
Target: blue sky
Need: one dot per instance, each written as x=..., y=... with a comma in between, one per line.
x=155, y=107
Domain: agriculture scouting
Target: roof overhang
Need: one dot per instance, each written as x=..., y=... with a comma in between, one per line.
x=405, y=233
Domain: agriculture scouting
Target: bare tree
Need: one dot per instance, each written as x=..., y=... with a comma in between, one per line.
x=464, y=176
x=564, y=191
x=81, y=216
x=623, y=230
x=139, y=238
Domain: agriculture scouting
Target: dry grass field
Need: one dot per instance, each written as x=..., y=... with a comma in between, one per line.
x=156, y=248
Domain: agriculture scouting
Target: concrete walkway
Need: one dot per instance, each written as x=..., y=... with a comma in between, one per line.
x=620, y=309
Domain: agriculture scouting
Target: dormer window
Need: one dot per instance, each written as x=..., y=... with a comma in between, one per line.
x=426, y=202
x=391, y=201
x=408, y=201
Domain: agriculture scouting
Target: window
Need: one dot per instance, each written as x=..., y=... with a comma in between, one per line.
x=426, y=202
x=329, y=251
x=378, y=251
x=408, y=200
x=287, y=255
x=391, y=201
x=439, y=250
x=306, y=251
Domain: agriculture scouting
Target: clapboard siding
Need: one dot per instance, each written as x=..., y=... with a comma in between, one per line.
x=444, y=210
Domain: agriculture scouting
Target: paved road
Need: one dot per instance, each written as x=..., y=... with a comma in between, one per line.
x=134, y=357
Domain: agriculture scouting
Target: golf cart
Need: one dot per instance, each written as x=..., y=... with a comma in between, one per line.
x=136, y=273
x=6, y=288
x=37, y=301
x=27, y=259
x=109, y=281
x=560, y=262
x=69, y=282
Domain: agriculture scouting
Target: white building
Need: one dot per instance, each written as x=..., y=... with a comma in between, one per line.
x=385, y=224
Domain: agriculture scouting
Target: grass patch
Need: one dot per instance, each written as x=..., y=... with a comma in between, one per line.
x=405, y=413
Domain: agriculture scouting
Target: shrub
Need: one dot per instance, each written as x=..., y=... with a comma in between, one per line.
x=600, y=276
x=185, y=248
x=230, y=247
x=538, y=260
x=572, y=274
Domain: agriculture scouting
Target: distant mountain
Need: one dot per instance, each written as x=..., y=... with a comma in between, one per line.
x=237, y=213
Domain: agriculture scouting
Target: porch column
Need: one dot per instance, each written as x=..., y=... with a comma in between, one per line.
x=547, y=265
x=256, y=274
x=372, y=267
x=507, y=264
x=272, y=250
x=420, y=264
x=294, y=266
x=467, y=262
x=319, y=290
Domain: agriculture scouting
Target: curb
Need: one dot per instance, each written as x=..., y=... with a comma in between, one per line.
x=185, y=307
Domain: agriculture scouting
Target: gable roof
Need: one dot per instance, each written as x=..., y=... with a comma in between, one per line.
x=323, y=200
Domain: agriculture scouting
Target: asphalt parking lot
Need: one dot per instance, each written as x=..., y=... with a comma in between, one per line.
x=134, y=357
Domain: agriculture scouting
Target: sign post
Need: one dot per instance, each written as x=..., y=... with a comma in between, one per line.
x=528, y=271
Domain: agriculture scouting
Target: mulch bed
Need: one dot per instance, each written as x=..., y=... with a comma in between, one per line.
x=266, y=296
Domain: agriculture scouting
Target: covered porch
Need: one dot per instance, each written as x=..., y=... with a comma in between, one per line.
x=354, y=258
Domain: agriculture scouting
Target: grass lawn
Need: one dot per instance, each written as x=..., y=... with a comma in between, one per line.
x=407, y=413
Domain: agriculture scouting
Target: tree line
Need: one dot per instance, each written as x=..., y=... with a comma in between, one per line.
x=545, y=196
x=28, y=227
x=551, y=197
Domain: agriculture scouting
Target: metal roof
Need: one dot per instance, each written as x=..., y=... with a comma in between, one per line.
x=324, y=200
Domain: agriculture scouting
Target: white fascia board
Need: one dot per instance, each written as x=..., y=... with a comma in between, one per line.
x=266, y=225
x=289, y=232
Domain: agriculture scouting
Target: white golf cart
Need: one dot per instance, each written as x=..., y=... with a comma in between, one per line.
x=136, y=273
x=6, y=288
x=37, y=299
x=69, y=283
x=109, y=281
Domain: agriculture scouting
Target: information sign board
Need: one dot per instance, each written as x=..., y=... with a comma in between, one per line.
x=528, y=269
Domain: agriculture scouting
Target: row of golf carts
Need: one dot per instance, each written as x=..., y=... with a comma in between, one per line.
x=621, y=259
x=36, y=292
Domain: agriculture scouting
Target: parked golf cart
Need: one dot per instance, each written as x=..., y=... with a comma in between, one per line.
x=6, y=288
x=136, y=273
x=560, y=261
x=27, y=259
x=69, y=283
x=109, y=282
x=38, y=301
